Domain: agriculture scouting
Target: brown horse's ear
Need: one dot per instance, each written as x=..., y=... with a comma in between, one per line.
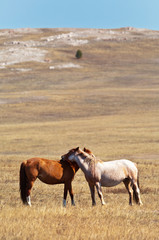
x=84, y=149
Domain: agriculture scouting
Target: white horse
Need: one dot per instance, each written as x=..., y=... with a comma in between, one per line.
x=106, y=174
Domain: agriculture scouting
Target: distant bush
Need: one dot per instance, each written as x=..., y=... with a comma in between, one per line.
x=78, y=54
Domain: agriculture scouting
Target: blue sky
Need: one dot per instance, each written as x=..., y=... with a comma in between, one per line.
x=79, y=14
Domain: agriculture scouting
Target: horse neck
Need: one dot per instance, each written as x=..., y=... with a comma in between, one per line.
x=75, y=166
x=80, y=160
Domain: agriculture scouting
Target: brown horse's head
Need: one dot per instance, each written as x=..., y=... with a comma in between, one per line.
x=71, y=153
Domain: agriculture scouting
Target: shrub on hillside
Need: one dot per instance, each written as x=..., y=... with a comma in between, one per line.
x=78, y=54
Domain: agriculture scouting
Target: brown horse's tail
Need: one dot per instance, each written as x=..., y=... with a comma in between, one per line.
x=23, y=183
x=135, y=194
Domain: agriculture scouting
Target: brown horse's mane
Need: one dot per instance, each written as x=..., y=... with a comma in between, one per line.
x=73, y=165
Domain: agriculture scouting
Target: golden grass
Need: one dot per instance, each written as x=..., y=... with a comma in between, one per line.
x=115, y=137
x=119, y=222
x=109, y=106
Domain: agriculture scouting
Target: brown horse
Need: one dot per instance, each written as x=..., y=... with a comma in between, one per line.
x=49, y=172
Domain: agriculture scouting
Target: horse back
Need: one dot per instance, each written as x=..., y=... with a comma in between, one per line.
x=114, y=172
x=49, y=171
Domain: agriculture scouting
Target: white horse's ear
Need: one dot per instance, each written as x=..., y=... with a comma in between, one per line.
x=77, y=148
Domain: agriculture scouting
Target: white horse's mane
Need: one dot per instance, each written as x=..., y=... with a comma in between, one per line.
x=89, y=158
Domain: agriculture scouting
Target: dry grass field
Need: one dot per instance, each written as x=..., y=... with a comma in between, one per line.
x=108, y=101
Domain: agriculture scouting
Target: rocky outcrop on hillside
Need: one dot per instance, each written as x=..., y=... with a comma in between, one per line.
x=25, y=45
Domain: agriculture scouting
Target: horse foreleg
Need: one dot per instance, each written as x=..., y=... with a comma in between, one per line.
x=71, y=194
x=65, y=194
x=99, y=190
x=92, y=190
x=68, y=187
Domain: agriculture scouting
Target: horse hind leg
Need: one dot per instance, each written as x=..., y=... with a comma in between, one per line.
x=28, y=191
x=128, y=185
x=136, y=194
x=25, y=185
x=136, y=190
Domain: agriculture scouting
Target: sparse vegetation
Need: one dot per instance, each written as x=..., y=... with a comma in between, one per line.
x=79, y=54
x=110, y=105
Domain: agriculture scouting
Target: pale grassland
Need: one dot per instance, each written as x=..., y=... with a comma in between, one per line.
x=47, y=217
x=110, y=106
x=119, y=222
